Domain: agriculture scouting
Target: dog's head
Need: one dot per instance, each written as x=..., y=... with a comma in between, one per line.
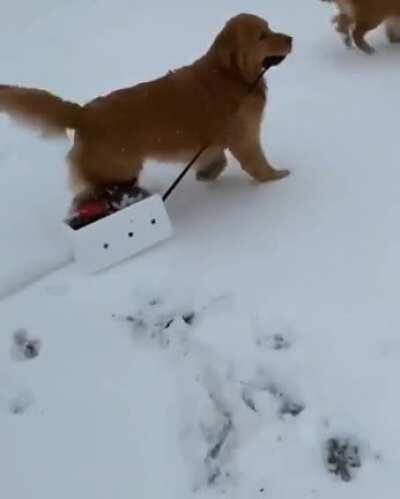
x=246, y=45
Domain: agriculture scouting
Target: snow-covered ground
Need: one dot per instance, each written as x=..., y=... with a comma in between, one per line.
x=222, y=361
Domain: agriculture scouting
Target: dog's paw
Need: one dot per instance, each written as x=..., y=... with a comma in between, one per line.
x=347, y=40
x=212, y=171
x=364, y=47
x=272, y=175
x=367, y=49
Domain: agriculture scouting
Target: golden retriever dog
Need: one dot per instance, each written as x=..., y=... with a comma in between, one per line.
x=357, y=17
x=169, y=119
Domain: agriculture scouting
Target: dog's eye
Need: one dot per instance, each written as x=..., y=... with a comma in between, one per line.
x=263, y=35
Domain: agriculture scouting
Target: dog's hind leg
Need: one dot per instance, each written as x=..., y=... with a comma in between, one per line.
x=211, y=164
x=365, y=21
x=393, y=29
x=92, y=169
x=360, y=30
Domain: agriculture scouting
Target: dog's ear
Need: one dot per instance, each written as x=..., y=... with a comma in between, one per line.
x=235, y=58
x=223, y=49
x=248, y=64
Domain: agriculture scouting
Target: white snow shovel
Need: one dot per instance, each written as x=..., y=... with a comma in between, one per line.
x=125, y=232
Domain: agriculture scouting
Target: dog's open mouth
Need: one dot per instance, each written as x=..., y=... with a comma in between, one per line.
x=273, y=60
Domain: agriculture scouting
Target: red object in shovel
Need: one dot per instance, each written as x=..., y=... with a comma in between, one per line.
x=88, y=212
x=93, y=209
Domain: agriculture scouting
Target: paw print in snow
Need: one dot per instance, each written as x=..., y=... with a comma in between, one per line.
x=342, y=457
x=23, y=347
x=21, y=403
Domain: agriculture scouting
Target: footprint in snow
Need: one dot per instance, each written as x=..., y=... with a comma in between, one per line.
x=23, y=347
x=277, y=341
x=156, y=322
x=287, y=404
x=21, y=403
x=342, y=457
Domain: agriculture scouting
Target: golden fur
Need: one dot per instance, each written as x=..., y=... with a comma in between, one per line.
x=171, y=118
x=357, y=17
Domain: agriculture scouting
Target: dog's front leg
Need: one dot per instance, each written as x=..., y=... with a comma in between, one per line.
x=342, y=24
x=252, y=159
x=244, y=142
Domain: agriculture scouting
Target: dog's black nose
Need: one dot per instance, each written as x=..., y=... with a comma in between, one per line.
x=286, y=40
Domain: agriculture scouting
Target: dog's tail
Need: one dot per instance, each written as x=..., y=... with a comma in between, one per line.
x=40, y=109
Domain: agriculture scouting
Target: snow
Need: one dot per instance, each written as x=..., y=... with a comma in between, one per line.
x=293, y=286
